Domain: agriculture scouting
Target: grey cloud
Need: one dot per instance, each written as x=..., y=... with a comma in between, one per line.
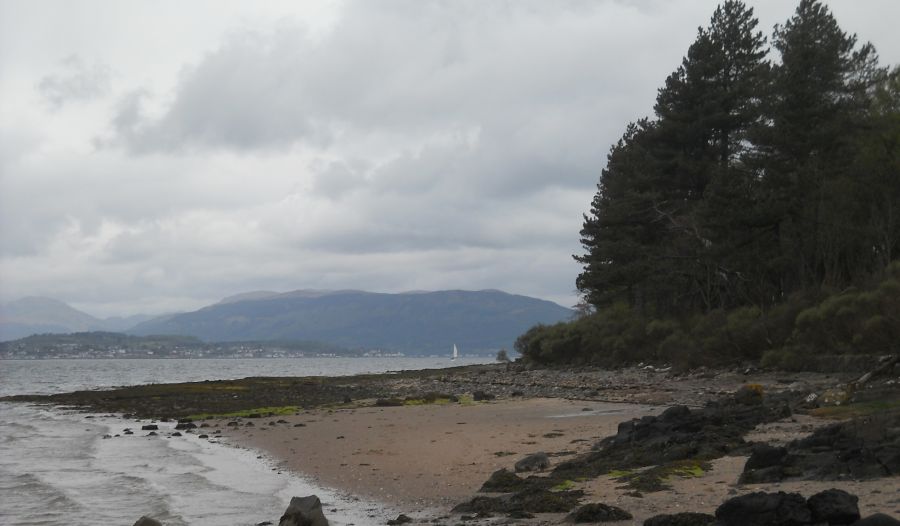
x=408, y=68
x=338, y=178
x=78, y=82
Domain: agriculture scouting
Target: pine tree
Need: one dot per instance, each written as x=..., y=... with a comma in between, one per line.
x=820, y=96
x=650, y=238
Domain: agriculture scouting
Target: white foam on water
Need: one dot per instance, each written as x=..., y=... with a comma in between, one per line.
x=56, y=468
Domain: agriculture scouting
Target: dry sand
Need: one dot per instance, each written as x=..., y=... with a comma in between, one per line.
x=426, y=459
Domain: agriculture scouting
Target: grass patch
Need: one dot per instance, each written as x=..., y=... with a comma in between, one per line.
x=466, y=400
x=619, y=473
x=841, y=412
x=657, y=477
x=565, y=485
x=245, y=413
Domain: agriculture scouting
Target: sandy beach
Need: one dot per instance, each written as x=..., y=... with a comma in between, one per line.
x=430, y=457
x=426, y=459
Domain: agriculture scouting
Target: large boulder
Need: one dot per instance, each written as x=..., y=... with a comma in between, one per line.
x=764, y=465
x=534, y=462
x=147, y=521
x=304, y=511
x=834, y=506
x=764, y=509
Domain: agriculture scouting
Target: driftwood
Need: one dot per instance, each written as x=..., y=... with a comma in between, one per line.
x=886, y=365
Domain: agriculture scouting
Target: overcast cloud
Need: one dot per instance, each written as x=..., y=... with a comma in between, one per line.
x=158, y=156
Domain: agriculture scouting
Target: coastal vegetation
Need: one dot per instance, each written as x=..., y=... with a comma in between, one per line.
x=754, y=217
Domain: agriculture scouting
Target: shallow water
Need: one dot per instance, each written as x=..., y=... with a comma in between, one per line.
x=56, y=467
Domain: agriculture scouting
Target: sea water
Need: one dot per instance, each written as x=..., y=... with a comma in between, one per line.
x=56, y=467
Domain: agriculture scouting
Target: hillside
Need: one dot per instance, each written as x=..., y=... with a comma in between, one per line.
x=37, y=315
x=414, y=323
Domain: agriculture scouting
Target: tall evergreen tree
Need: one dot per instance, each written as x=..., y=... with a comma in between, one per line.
x=818, y=111
x=704, y=114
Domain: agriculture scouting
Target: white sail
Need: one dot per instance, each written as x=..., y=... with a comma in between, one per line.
x=455, y=352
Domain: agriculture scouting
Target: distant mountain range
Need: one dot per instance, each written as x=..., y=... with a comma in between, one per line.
x=35, y=315
x=412, y=322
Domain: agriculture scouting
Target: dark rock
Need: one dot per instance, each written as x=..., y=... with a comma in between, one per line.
x=764, y=509
x=347, y=399
x=834, y=506
x=304, y=511
x=764, y=465
x=264, y=523
x=598, y=512
x=878, y=519
x=203, y=436
x=676, y=434
x=282, y=421
x=764, y=456
x=147, y=521
x=480, y=396
x=249, y=424
x=185, y=425
x=862, y=448
x=254, y=415
x=300, y=425
x=531, y=500
x=534, y=462
x=128, y=432
x=517, y=393
x=503, y=481
x=681, y=519
x=175, y=434
x=401, y=519
x=152, y=434
x=149, y=427
x=232, y=424
x=185, y=420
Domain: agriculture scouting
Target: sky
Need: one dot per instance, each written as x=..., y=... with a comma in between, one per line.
x=157, y=156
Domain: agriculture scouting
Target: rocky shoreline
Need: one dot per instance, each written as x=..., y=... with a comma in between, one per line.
x=712, y=417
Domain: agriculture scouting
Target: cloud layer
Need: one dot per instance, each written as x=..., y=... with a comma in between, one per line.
x=389, y=145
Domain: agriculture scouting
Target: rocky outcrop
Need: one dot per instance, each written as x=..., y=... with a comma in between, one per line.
x=530, y=500
x=678, y=433
x=862, y=448
x=833, y=507
x=764, y=509
x=147, y=521
x=304, y=511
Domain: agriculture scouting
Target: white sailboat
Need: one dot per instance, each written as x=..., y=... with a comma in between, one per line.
x=455, y=352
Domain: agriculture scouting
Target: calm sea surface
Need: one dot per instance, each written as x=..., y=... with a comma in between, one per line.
x=56, y=468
